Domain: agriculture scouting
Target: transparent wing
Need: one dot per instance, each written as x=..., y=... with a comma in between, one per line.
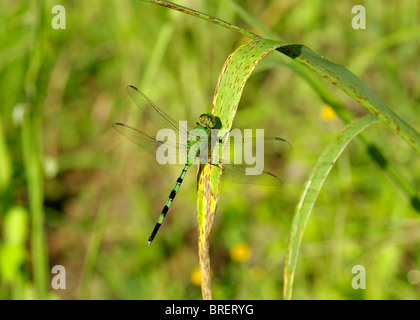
x=241, y=160
x=255, y=147
x=243, y=174
x=159, y=118
x=144, y=140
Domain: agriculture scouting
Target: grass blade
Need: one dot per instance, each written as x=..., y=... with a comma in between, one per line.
x=5, y=162
x=203, y=16
x=372, y=149
x=328, y=97
x=311, y=190
x=355, y=88
x=32, y=139
x=336, y=74
x=235, y=72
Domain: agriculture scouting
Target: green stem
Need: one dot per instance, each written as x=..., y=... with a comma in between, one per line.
x=33, y=167
x=32, y=153
x=204, y=16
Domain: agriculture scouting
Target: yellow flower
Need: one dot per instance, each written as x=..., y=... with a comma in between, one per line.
x=327, y=113
x=240, y=252
x=195, y=276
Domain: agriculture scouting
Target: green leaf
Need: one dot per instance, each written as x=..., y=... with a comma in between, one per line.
x=355, y=88
x=356, y=64
x=336, y=74
x=311, y=190
x=235, y=72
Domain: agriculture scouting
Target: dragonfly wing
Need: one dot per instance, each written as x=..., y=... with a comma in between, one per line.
x=145, y=140
x=274, y=147
x=159, y=118
x=241, y=156
x=243, y=174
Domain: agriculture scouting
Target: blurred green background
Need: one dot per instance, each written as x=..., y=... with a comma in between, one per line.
x=69, y=181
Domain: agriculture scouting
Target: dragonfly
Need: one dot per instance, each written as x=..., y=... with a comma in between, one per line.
x=233, y=172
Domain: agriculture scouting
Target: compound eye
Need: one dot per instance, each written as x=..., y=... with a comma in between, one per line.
x=212, y=121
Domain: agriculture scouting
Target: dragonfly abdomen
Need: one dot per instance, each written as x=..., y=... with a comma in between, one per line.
x=168, y=203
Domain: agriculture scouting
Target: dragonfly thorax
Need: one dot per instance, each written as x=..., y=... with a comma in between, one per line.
x=207, y=120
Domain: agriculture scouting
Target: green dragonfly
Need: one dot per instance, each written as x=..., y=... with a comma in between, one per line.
x=194, y=148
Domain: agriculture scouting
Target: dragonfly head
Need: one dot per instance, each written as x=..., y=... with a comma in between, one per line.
x=207, y=120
